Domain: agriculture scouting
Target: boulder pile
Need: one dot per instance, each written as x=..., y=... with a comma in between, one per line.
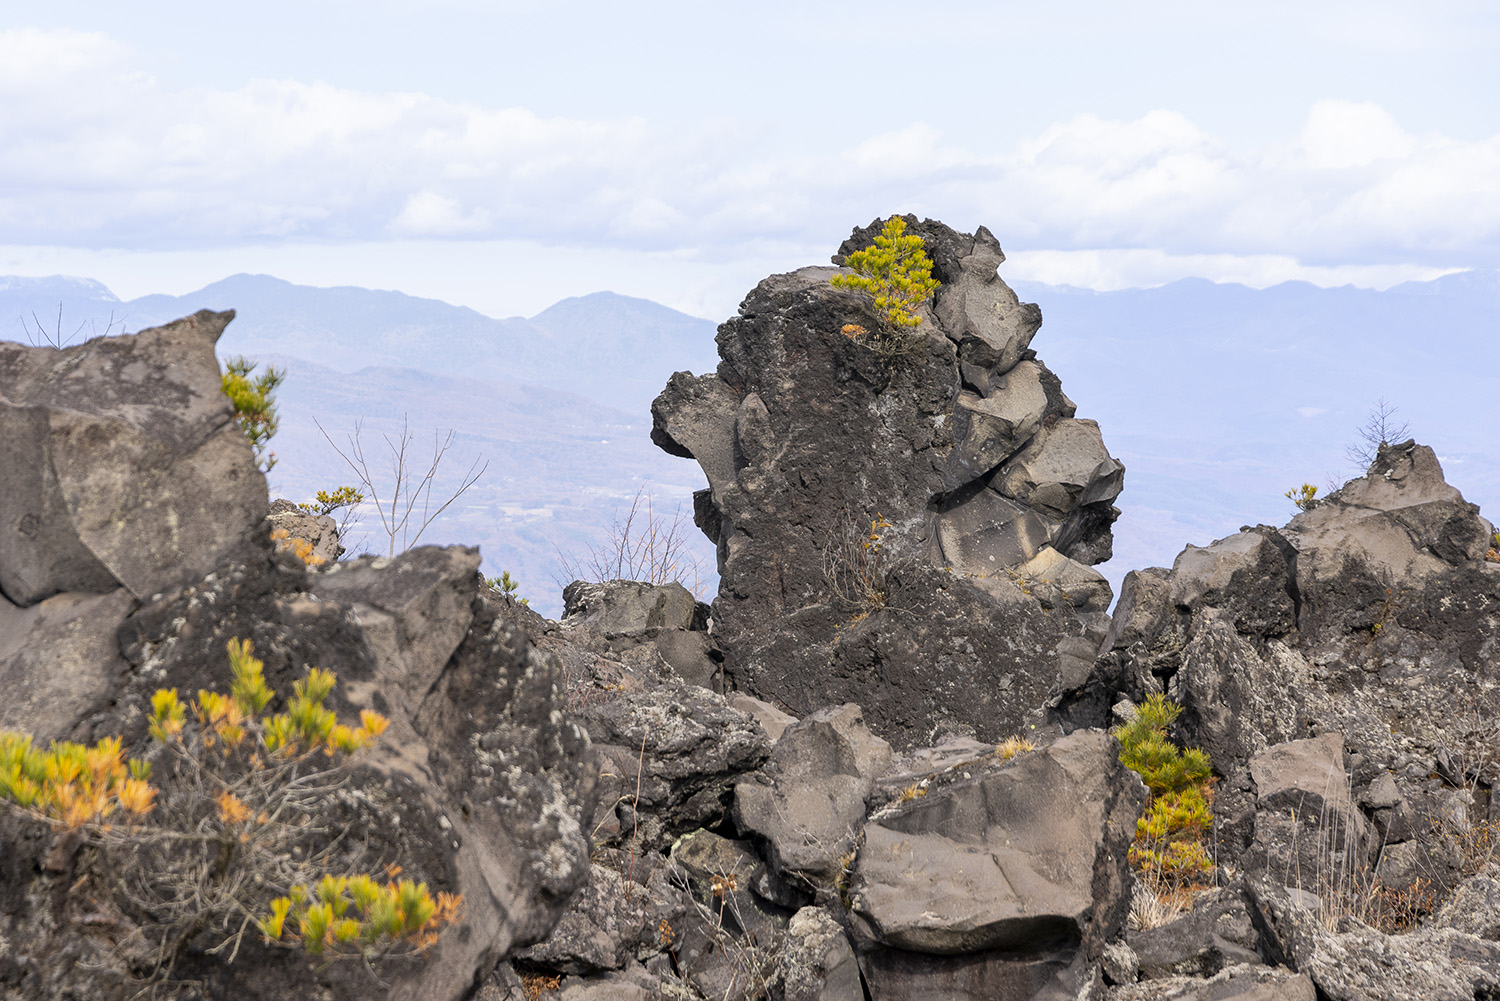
x=880, y=766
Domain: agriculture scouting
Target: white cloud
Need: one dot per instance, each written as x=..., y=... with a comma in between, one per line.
x=1342, y=134
x=100, y=153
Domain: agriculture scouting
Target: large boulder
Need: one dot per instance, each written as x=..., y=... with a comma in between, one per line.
x=910, y=528
x=1006, y=879
x=672, y=755
x=479, y=787
x=120, y=464
x=808, y=802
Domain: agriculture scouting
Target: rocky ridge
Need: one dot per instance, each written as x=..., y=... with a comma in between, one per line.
x=786, y=795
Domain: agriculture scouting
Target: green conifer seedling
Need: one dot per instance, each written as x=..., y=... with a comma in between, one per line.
x=254, y=406
x=894, y=271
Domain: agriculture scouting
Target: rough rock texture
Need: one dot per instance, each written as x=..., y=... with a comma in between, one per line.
x=1358, y=963
x=478, y=787
x=1373, y=617
x=120, y=464
x=319, y=531
x=1307, y=825
x=650, y=627
x=1007, y=881
x=1239, y=983
x=812, y=796
x=998, y=499
x=671, y=758
x=1218, y=933
x=817, y=963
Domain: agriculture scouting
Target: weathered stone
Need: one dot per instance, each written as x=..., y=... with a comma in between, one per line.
x=121, y=464
x=993, y=428
x=1084, y=587
x=603, y=927
x=1216, y=934
x=60, y=662
x=1237, y=983
x=414, y=610
x=771, y=719
x=619, y=606
x=1358, y=963
x=816, y=963
x=727, y=947
x=1016, y=871
x=319, y=531
x=809, y=799
x=811, y=431
x=1308, y=829
x=1065, y=467
x=1474, y=906
x=986, y=533
x=673, y=755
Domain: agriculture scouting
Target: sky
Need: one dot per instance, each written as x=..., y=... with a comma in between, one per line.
x=503, y=154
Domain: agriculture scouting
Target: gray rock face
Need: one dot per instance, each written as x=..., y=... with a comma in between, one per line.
x=1217, y=934
x=1371, y=616
x=965, y=444
x=816, y=964
x=1012, y=874
x=60, y=661
x=811, y=801
x=1358, y=963
x=120, y=464
x=1474, y=906
x=1239, y=983
x=653, y=626
x=672, y=756
x=319, y=531
x=479, y=787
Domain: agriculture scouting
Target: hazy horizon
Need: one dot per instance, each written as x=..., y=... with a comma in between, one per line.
x=504, y=154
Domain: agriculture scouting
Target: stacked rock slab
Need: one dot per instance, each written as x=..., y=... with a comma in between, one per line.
x=133, y=545
x=998, y=499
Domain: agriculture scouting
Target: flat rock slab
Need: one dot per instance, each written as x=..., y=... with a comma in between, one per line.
x=1025, y=857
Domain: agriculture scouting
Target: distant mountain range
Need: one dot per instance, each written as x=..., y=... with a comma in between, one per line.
x=1218, y=398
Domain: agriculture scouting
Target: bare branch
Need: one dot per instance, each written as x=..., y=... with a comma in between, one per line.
x=400, y=519
x=1380, y=428
x=641, y=546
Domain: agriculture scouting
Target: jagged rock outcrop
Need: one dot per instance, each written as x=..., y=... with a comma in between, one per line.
x=134, y=547
x=120, y=464
x=1341, y=673
x=996, y=499
x=319, y=531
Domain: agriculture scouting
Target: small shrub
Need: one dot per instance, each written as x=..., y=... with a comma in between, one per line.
x=894, y=271
x=254, y=405
x=343, y=916
x=1305, y=497
x=859, y=568
x=346, y=499
x=1168, y=848
x=71, y=785
x=506, y=585
x=1013, y=746
x=232, y=825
